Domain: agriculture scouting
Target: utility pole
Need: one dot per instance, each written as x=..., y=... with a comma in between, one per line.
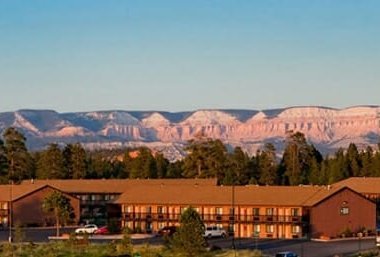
x=233, y=215
x=10, y=239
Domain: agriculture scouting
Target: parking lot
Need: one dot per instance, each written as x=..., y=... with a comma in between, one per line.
x=268, y=246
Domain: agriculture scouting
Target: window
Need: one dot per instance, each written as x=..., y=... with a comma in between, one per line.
x=256, y=228
x=256, y=211
x=4, y=206
x=294, y=212
x=218, y=211
x=344, y=211
x=148, y=209
x=127, y=209
x=160, y=210
x=161, y=225
x=269, y=228
x=296, y=229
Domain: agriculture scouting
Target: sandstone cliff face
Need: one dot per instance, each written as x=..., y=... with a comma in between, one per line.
x=327, y=128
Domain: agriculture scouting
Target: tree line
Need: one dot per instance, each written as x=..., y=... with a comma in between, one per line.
x=300, y=163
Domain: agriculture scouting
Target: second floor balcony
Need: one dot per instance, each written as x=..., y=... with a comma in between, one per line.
x=217, y=218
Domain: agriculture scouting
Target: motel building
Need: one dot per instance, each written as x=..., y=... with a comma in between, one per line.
x=252, y=211
x=246, y=211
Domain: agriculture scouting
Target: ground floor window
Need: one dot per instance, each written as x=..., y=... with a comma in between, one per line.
x=269, y=228
x=296, y=229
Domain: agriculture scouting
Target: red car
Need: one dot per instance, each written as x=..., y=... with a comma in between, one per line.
x=102, y=231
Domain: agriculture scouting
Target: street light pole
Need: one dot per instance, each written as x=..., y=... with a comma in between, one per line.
x=10, y=198
x=233, y=215
x=10, y=212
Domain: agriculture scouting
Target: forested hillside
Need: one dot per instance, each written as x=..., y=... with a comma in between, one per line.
x=300, y=163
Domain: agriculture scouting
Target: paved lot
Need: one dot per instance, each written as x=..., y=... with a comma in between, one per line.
x=268, y=246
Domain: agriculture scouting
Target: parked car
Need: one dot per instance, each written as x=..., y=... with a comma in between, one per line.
x=167, y=231
x=286, y=254
x=102, y=231
x=214, y=231
x=89, y=229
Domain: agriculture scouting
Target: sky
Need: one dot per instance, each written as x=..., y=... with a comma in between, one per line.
x=89, y=55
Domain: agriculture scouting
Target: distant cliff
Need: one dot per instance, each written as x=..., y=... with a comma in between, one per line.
x=327, y=128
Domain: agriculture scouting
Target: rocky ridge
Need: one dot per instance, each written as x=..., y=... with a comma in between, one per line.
x=327, y=128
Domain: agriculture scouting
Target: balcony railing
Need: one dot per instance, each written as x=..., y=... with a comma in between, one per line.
x=217, y=218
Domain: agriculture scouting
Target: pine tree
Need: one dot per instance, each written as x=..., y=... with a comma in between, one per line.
x=266, y=160
x=206, y=158
x=3, y=164
x=297, y=159
x=162, y=165
x=19, y=160
x=51, y=164
x=75, y=159
x=189, y=240
x=239, y=163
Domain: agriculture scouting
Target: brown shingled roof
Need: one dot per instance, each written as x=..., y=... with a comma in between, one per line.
x=17, y=191
x=222, y=195
x=363, y=185
x=113, y=185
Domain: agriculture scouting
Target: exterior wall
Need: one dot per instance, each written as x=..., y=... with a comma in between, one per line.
x=247, y=221
x=93, y=206
x=330, y=218
x=28, y=210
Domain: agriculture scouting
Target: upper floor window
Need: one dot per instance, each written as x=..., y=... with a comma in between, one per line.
x=218, y=211
x=4, y=206
x=344, y=210
x=161, y=209
x=269, y=211
x=256, y=211
x=294, y=212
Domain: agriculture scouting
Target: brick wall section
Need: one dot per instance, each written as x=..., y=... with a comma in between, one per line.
x=327, y=220
x=28, y=209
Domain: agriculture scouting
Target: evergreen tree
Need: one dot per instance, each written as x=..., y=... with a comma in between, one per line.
x=3, y=164
x=189, y=240
x=51, y=164
x=375, y=165
x=297, y=159
x=353, y=161
x=239, y=164
x=206, y=158
x=19, y=160
x=98, y=166
x=175, y=169
x=161, y=165
x=338, y=167
x=366, y=160
x=143, y=165
x=75, y=160
x=59, y=205
x=267, y=165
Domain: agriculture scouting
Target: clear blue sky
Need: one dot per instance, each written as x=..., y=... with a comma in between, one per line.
x=77, y=55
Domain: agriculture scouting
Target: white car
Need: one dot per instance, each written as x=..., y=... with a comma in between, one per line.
x=286, y=254
x=214, y=231
x=87, y=229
